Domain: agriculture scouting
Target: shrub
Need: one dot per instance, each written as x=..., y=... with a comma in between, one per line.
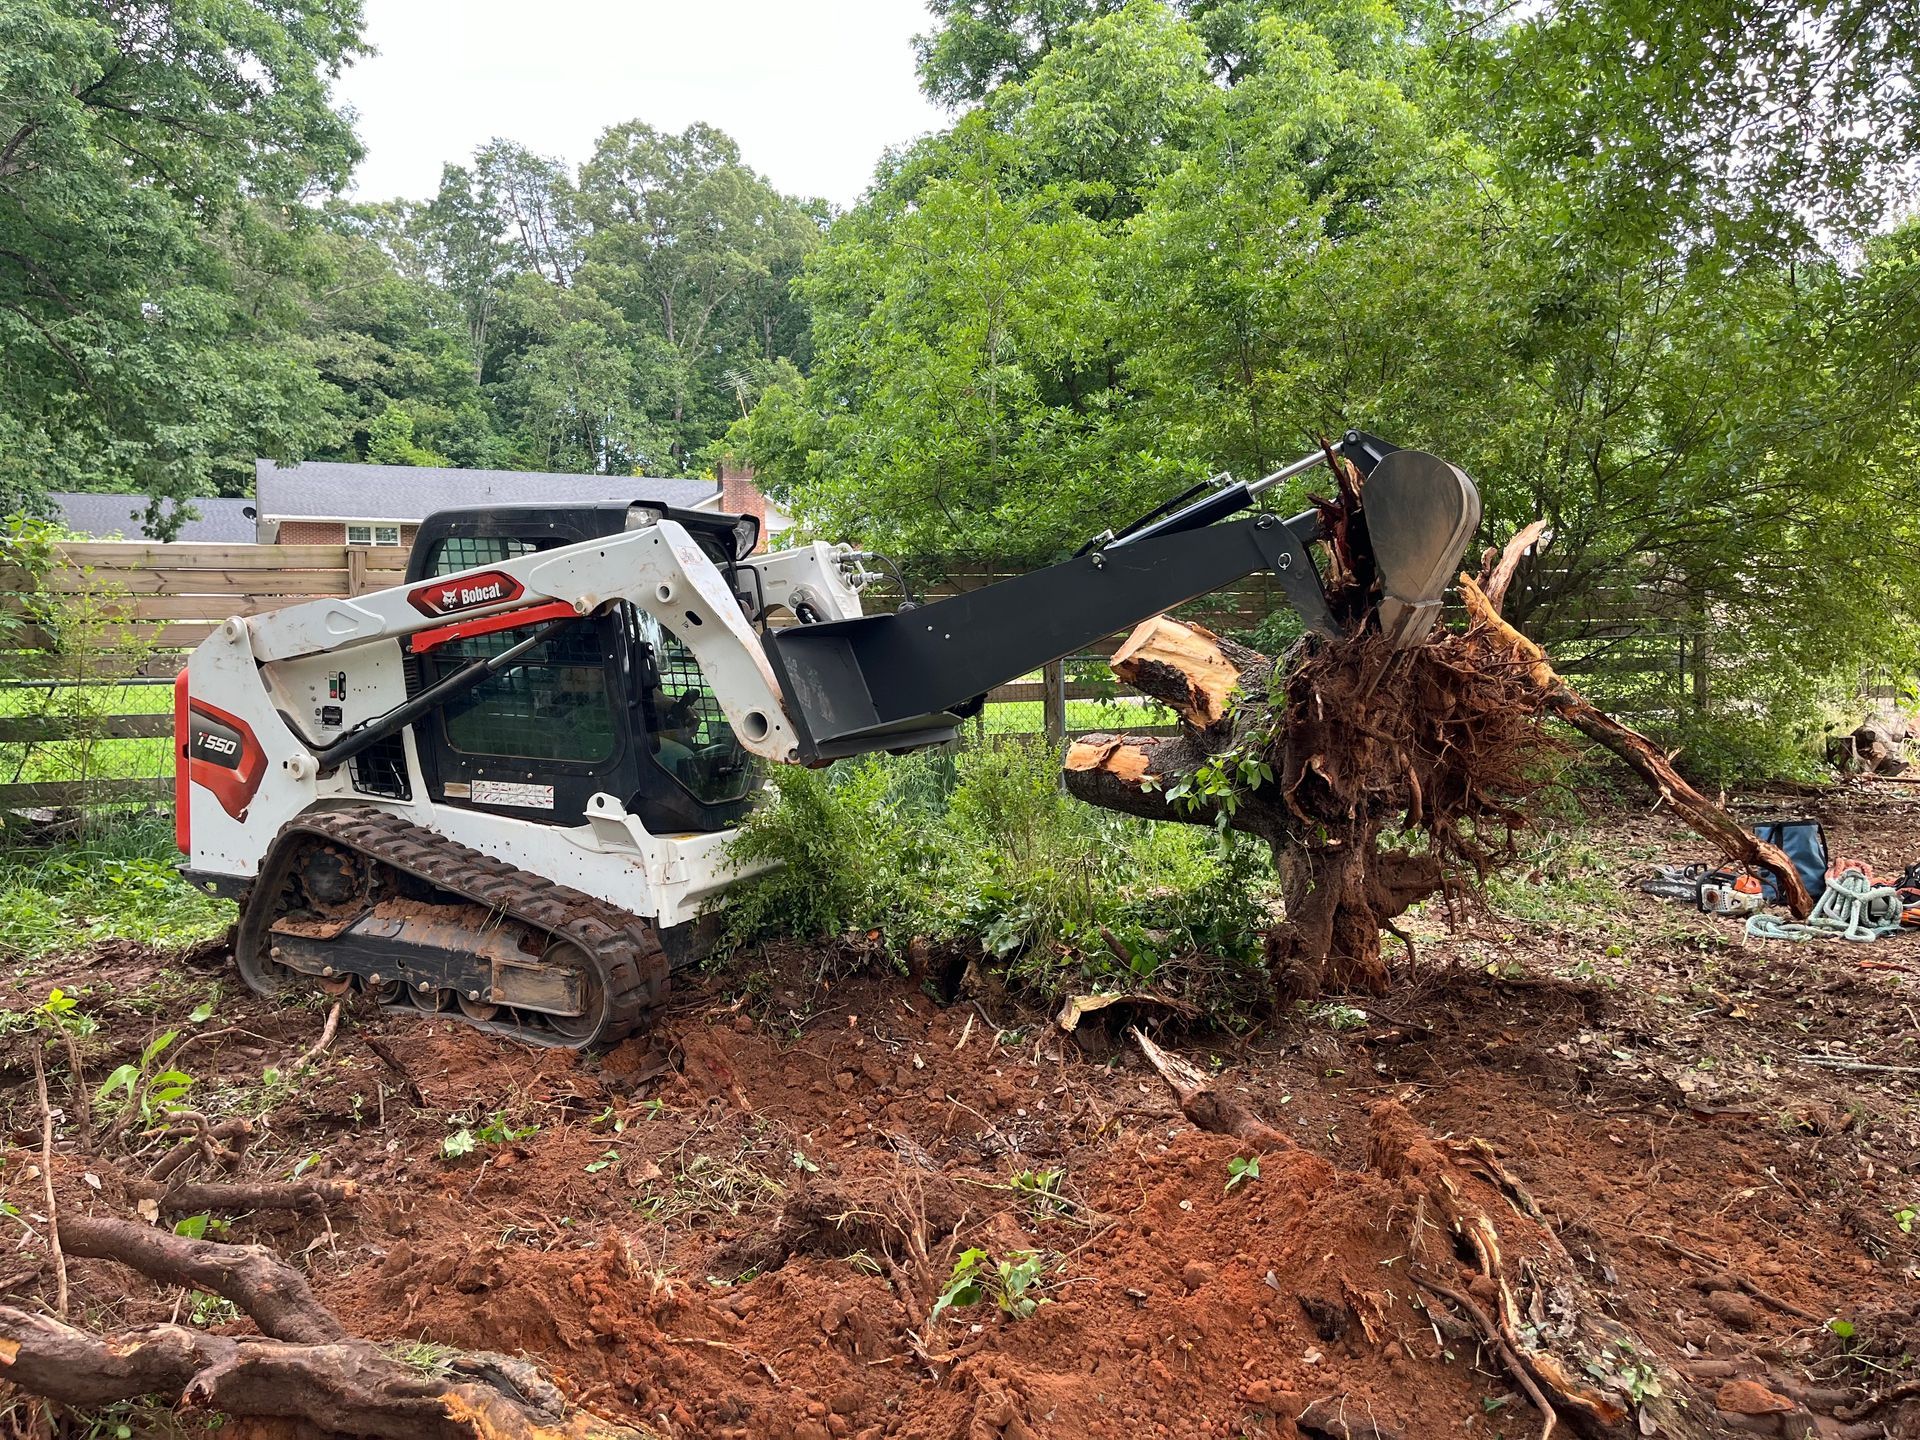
x=982, y=845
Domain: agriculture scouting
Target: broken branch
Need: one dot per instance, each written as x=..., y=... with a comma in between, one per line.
x=1640, y=753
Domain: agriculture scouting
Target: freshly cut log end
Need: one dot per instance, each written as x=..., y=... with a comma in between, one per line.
x=1130, y=761
x=1186, y=667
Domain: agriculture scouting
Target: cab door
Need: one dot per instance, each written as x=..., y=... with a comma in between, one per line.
x=543, y=736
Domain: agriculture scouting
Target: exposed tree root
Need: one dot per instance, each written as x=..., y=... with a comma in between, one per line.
x=1646, y=758
x=1521, y=1293
x=187, y=1197
x=303, y=1366
x=1346, y=741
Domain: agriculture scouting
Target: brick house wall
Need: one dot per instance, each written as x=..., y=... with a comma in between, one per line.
x=330, y=532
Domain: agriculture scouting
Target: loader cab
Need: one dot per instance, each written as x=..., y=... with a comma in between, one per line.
x=613, y=703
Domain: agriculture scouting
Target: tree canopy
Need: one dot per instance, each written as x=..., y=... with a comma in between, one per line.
x=1648, y=272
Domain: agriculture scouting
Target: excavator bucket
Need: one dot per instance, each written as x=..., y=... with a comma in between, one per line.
x=1421, y=513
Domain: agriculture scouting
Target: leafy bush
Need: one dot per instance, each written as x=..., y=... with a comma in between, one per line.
x=983, y=845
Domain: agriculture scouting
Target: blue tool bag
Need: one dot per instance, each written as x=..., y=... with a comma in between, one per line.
x=1806, y=846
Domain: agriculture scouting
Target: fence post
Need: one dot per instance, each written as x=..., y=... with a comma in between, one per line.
x=1053, y=701
x=356, y=570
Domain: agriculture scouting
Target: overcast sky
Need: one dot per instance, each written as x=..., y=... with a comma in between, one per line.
x=813, y=90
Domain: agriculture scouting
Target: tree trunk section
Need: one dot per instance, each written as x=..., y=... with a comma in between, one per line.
x=303, y=1366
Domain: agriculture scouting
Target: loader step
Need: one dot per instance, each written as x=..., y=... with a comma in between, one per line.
x=361, y=898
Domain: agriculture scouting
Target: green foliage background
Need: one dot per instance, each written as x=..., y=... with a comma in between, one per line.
x=1647, y=271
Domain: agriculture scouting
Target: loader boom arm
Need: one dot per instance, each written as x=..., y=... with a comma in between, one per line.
x=882, y=682
x=849, y=683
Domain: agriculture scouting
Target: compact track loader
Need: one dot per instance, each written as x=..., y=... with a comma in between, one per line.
x=504, y=789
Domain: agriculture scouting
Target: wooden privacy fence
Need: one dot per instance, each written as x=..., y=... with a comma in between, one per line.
x=116, y=619
x=90, y=642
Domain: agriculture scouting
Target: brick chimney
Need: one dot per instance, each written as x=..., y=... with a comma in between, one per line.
x=740, y=496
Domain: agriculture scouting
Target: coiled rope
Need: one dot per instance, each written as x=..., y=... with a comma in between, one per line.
x=1853, y=907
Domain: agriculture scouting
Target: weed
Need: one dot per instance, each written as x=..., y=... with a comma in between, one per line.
x=496, y=1131
x=1339, y=1017
x=1634, y=1377
x=424, y=1356
x=1041, y=1190
x=154, y=1092
x=1014, y=1284
x=1904, y=1218
x=207, y=1311
x=607, y=1158
x=1240, y=1169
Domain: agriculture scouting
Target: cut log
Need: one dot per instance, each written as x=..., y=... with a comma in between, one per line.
x=1739, y=845
x=1187, y=668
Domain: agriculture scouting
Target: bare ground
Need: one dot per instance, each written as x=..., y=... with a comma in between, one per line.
x=741, y=1230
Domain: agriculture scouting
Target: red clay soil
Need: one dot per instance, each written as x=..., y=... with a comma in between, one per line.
x=740, y=1229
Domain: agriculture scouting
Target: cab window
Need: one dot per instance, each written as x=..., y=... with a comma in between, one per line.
x=686, y=728
x=551, y=705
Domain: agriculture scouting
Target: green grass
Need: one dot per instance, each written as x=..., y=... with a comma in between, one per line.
x=119, y=882
x=84, y=758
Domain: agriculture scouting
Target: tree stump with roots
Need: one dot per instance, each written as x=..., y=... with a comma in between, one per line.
x=1379, y=777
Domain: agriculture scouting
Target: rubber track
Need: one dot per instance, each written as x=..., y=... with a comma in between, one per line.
x=622, y=946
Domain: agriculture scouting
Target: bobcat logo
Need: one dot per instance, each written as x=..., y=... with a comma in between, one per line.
x=444, y=597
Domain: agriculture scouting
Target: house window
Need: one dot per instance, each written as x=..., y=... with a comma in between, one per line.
x=373, y=534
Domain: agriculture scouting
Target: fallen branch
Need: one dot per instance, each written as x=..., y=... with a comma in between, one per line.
x=384, y=1053
x=1892, y=1395
x=1641, y=754
x=1490, y=1332
x=1765, y=1297
x=747, y=1355
x=190, y=1197
x=1844, y=1062
x=208, y=1140
x=81, y=1107
x=318, y=1048
x=1205, y=1106
x=303, y=1366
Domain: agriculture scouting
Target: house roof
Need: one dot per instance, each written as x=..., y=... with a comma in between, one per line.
x=331, y=490
x=225, y=522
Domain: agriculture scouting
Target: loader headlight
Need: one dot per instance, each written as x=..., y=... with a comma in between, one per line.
x=639, y=517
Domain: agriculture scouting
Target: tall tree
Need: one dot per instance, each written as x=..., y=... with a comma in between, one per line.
x=694, y=247
x=151, y=157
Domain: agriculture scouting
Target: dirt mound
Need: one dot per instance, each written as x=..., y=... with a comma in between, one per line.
x=743, y=1225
